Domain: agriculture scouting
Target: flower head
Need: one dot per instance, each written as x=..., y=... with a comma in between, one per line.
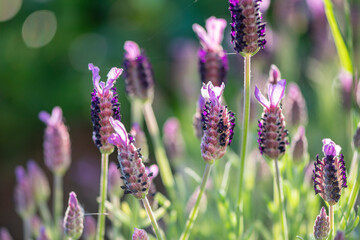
x=322, y=225
x=247, y=30
x=39, y=182
x=329, y=175
x=104, y=89
x=56, y=141
x=295, y=107
x=4, y=234
x=136, y=180
x=172, y=138
x=138, y=73
x=139, y=234
x=24, y=198
x=272, y=133
x=299, y=145
x=218, y=123
x=74, y=218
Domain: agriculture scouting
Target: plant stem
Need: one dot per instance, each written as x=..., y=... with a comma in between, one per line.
x=161, y=158
x=103, y=192
x=58, y=201
x=27, y=228
x=331, y=213
x=136, y=113
x=195, y=209
x=152, y=218
x=245, y=129
x=44, y=212
x=281, y=200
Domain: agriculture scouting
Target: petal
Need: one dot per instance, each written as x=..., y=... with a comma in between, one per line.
x=132, y=50
x=330, y=147
x=261, y=99
x=122, y=140
x=56, y=115
x=113, y=74
x=96, y=77
x=215, y=28
x=205, y=92
x=202, y=35
x=276, y=92
x=44, y=117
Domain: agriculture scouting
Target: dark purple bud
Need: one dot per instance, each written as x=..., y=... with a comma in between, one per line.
x=322, y=225
x=339, y=236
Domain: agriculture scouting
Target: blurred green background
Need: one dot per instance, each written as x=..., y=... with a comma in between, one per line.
x=45, y=46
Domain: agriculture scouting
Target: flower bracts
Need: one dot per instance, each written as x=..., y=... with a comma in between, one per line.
x=247, y=30
x=218, y=124
x=272, y=135
x=330, y=173
x=136, y=180
x=322, y=225
x=104, y=104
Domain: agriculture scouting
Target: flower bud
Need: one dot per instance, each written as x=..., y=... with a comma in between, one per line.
x=329, y=175
x=56, y=141
x=114, y=181
x=322, y=225
x=138, y=73
x=247, y=30
x=139, y=234
x=294, y=106
x=4, y=234
x=173, y=140
x=104, y=104
x=74, y=217
x=24, y=198
x=299, y=145
x=39, y=182
x=89, y=228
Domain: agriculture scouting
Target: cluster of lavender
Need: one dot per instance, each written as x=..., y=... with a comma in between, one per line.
x=214, y=123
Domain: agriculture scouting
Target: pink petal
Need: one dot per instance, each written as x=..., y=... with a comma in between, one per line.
x=330, y=148
x=261, y=99
x=215, y=28
x=113, y=74
x=202, y=35
x=132, y=50
x=276, y=92
x=56, y=115
x=122, y=139
x=96, y=77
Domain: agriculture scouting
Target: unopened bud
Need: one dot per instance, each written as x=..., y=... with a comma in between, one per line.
x=24, y=198
x=74, y=218
x=299, y=145
x=295, y=110
x=39, y=182
x=339, y=236
x=173, y=140
x=322, y=225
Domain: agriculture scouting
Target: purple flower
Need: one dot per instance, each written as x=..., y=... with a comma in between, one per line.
x=24, y=199
x=247, y=30
x=4, y=234
x=104, y=104
x=138, y=73
x=43, y=235
x=274, y=74
x=272, y=135
x=39, y=182
x=295, y=107
x=139, y=234
x=74, y=218
x=299, y=145
x=172, y=138
x=89, y=228
x=329, y=175
x=56, y=141
x=218, y=124
x=136, y=180
x=322, y=225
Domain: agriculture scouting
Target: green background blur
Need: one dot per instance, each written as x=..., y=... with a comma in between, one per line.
x=56, y=74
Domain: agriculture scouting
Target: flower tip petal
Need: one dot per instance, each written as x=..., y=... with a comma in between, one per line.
x=114, y=73
x=132, y=50
x=261, y=99
x=44, y=117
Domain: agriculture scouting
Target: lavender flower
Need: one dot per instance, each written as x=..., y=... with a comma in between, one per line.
x=339, y=236
x=247, y=30
x=139, y=234
x=138, y=73
x=330, y=173
x=322, y=225
x=56, y=141
x=39, y=182
x=24, y=198
x=272, y=134
x=198, y=118
x=104, y=104
x=218, y=124
x=299, y=145
x=74, y=218
x=89, y=228
x=4, y=234
x=274, y=74
x=132, y=169
x=114, y=182
x=43, y=235
x=172, y=138
x=213, y=62
x=295, y=106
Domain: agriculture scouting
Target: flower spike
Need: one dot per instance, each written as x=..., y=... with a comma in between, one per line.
x=74, y=218
x=322, y=225
x=329, y=174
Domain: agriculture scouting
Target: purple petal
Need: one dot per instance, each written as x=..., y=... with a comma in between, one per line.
x=96, y=77
x=215, y=28
x=132, y=50
x=202, y=35
x=56, y=115
x=113, y=74
x=20, y=173
x=330, y=148
x=261, y=99
x=276, y=92
x=122, y=139
x=72, y=199
x=44, y=117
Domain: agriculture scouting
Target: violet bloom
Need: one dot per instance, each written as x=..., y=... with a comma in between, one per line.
x=74, y=218
x=138, y=73
x=213, y=61
x=272, y=134
x=247, y=30
x=295, y=109
x=136, y=180
x=218, y=124
x=322, y=225
x=104, y=104
x=299, y=145
x=24, y=198
x=330, y=173
x=139, y=234
x=172, y=138
x=39, y=182
x=4, y=234
x=56, y=141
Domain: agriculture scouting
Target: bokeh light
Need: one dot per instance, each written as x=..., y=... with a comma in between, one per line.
x=9, y=8
x=86, y=48
x=39, y=28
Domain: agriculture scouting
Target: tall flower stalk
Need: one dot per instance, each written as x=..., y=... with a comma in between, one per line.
x=218, y=124
x=139, y=80
x=104, y=104
x=273, y=136
x=136, y=179
x=247, y=35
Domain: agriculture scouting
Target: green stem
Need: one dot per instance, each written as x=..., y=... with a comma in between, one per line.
x=44, y=212
x=195, y=209
x=103, y=192
x=116, y=224
x=245, y=128
x=58, y=201
x=161, y=158
x=152, y=218
x=27, y=228
x=281, y=200
x=136, y=113
x=331, y=213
